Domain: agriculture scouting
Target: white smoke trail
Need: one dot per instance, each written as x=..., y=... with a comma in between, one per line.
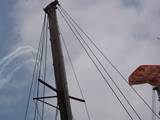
x=5, y=80
x=22, y=48
x=9, y=58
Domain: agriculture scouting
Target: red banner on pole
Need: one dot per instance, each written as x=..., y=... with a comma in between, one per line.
x=146, y=74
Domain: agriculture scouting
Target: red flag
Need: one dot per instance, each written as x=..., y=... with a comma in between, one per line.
x=146, y=74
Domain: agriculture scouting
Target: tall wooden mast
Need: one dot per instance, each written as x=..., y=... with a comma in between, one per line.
x=58, y=63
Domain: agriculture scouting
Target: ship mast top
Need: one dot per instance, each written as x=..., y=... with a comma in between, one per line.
x=58, y=63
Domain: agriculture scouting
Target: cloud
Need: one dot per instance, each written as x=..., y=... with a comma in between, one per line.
x=126, y=33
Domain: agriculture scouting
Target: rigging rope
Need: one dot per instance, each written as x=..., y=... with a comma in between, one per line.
x=36, y=104
x=97, y=67
x=41, y=54
x=45, y=66
x=40, y=67
x=34, y=72
x=105, y=69
x=109, y=61
x=56, y=115
x=76, y=78
x=37, y=113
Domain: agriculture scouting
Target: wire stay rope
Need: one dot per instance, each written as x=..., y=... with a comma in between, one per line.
x=37, y=93
x=97, y=67
x=40, y=66
x=109, y=61
x=75, y=75
x=34, y=72
x=105, y=70
x=56, y=115
x=39, y=54
x=45, y=66
x=36, y=112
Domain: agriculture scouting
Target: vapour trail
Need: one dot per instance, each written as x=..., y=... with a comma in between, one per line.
x=21, y=48
x=5, y=80
x=18, y=52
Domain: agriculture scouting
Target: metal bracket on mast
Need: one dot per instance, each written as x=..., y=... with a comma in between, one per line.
x=46, y=84
x=52, y=88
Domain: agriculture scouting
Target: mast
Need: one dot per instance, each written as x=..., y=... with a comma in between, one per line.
x=58, y=63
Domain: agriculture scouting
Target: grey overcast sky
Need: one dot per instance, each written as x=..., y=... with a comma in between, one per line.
x=125, y=30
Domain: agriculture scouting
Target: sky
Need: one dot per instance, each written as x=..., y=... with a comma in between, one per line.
x=125, y=30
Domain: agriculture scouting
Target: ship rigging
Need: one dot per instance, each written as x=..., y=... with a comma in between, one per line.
x=61, y=94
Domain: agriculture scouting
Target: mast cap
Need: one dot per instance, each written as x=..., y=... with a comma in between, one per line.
x=52, y=5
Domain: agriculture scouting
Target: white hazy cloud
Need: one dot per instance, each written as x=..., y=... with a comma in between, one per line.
x=125, y=32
